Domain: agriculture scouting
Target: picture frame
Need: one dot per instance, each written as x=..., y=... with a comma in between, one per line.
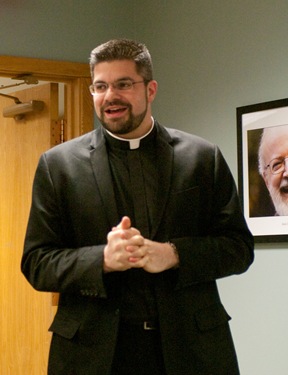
x=257, y=201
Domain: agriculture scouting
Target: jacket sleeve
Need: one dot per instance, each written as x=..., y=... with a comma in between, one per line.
x=50, y=260
x=223, y=245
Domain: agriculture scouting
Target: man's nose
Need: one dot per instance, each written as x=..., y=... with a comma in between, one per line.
x=285, y=172
x=111, y=92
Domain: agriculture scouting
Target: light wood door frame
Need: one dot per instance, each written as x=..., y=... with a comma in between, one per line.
x=25, y=313
x=79, y=115
x=76, y=76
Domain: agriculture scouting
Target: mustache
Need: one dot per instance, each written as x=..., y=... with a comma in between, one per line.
x=116, y=102
x=284, y=184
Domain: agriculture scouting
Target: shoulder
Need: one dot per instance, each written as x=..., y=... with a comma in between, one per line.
x=77, y=146
x=182, y=140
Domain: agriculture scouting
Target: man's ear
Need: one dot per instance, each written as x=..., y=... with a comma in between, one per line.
x=152, y=87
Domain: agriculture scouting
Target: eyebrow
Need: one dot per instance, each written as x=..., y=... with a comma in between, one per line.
x=117, y=80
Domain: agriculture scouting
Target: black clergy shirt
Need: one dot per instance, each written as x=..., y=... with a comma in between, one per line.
x=128, y=167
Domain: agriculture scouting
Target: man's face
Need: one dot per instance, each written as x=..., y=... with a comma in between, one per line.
x=126, y=113
x=276, y=146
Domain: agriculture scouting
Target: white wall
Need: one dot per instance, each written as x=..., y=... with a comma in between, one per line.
x=257, y=301
x=210, y=56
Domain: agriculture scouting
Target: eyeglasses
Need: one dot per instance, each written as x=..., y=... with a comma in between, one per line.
x=277, y=165
x=121, y=85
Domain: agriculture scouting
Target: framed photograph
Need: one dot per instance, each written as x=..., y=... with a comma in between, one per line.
x=262, y=145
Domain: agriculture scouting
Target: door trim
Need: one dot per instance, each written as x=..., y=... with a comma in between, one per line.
x=75, y=75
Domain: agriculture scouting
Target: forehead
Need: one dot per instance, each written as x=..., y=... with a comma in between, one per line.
x=110, y=71
x=276, y=142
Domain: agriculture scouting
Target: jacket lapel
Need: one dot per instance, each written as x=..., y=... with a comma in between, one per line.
x=101, y=170
x=164, y=166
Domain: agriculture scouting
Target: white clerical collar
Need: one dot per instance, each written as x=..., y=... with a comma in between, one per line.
x=133, y=143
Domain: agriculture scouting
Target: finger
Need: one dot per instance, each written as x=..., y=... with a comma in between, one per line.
x=134, y=259
x=137, y=262
x=132, y=249
x=125, y=223
x=135, y=240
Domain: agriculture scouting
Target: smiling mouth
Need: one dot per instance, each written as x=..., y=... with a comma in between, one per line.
x=284, y=189
x=118, y=110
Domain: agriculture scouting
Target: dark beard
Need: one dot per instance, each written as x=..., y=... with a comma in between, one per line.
x=122, y=128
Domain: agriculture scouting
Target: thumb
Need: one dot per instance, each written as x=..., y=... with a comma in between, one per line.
x=125, y=223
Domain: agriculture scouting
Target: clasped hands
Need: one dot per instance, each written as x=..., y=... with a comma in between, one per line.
x=126, y=248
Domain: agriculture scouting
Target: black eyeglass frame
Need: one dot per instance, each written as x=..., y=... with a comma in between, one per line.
x=120, y=85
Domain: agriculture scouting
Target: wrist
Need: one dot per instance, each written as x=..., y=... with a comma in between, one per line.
x=175, y=252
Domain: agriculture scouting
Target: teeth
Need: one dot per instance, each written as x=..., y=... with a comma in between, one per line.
x=114, y=110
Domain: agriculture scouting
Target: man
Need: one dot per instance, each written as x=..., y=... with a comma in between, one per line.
x=273, y=165
x=132, y=224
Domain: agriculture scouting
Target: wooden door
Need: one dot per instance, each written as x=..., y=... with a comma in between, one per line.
x=24, y=313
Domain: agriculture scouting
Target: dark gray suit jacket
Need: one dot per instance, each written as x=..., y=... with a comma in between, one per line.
x=73, y=209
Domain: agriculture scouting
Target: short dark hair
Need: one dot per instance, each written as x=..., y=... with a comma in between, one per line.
x=124, y=49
